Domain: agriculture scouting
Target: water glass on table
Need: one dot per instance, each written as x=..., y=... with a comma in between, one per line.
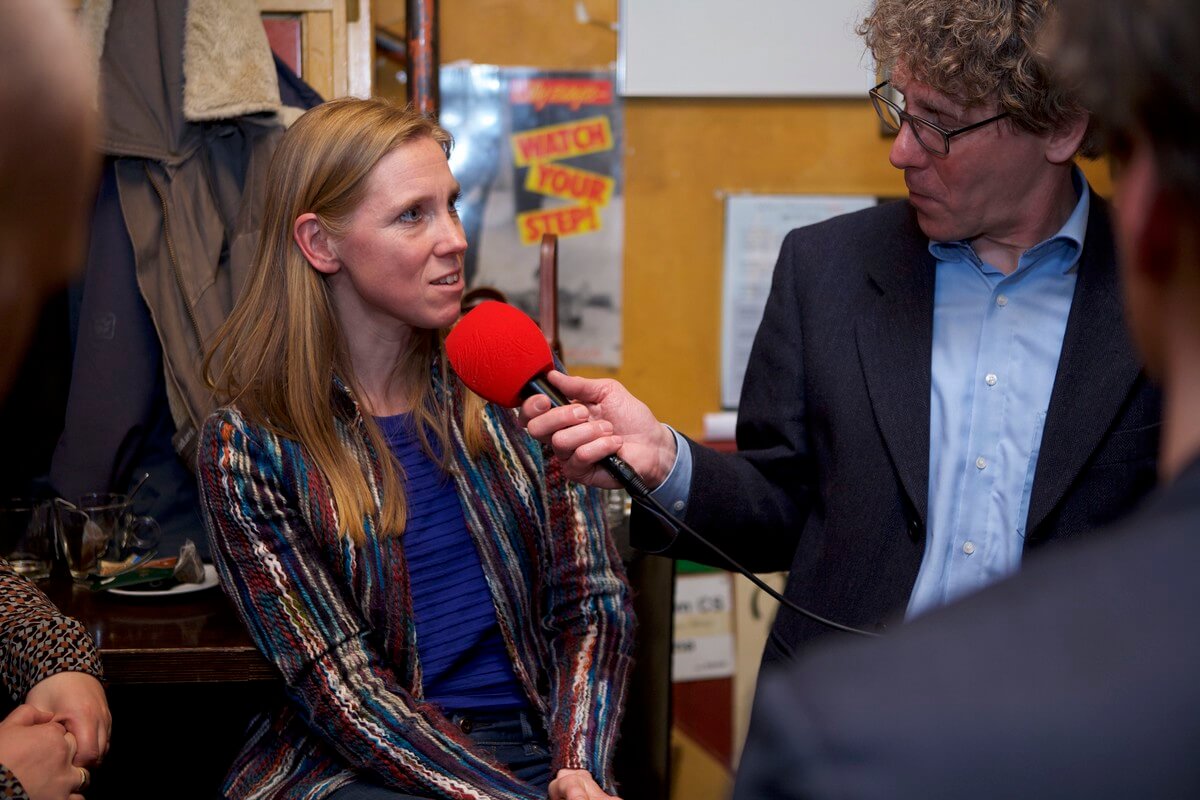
x=27, y=537
x=101, y=536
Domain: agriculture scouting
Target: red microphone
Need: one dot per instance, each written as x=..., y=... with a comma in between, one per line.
x=502, y=356
x=498, y=350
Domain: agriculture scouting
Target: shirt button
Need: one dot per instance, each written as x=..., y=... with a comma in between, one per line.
x=981, y=462
x=1002, y=300
x=990, y=379
x=465, y=725
x=968, y=547
x=678, y=505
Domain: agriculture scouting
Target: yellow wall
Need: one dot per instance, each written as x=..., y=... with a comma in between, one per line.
x=681, y=157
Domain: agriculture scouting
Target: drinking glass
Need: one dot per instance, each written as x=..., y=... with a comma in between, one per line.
x=102, y=538
x=26, y=537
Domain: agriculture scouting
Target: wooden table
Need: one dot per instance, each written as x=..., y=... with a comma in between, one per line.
x=188, y=638
x=183, y=681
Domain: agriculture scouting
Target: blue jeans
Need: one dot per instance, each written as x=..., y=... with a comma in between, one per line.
x=515, y=739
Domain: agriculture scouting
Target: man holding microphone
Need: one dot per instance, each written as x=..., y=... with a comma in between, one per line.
x=941, y=388
x=1075, y=678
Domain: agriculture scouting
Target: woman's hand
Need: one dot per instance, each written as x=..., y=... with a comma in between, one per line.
x=577, y=784
x=76, y=700
x=39, y=752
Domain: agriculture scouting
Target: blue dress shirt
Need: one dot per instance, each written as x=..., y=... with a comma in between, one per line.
x=996, y=343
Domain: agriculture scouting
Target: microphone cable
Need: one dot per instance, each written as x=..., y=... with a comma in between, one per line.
x=643, y=496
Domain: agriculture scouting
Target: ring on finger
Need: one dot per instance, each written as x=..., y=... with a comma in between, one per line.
x=85, y=779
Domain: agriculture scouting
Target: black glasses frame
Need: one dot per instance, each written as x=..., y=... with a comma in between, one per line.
x=918, y=124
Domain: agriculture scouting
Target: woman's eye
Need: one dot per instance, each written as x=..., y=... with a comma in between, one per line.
x=454, y=205
x=410, y=214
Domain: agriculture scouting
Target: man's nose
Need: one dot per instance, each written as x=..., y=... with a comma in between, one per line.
x=906, y=150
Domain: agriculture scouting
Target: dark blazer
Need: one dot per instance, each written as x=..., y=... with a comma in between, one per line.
x=1075, y=678
x=832, y=475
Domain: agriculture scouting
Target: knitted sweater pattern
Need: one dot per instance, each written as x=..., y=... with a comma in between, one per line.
x=335, y=617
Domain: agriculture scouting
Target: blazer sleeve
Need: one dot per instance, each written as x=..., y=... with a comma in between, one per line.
x=304, y=621
x=754, y=503
x=36, y=639
x=590, y=622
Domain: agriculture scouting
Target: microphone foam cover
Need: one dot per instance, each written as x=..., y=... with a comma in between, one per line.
x=496, y=349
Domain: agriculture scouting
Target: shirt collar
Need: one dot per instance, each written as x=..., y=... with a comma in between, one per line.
x=1069, y=237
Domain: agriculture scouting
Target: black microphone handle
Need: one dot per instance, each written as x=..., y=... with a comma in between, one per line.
x=622, y=472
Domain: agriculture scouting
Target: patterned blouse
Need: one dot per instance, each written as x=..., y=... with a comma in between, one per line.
x=335, y=618
x=36, y=641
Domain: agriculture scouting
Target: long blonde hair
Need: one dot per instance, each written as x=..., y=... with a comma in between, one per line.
x=282, y=346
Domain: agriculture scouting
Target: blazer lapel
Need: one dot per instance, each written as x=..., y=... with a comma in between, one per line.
x=895, y=339
x=1096, y=369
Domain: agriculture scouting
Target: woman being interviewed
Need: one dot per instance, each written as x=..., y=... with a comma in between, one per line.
x=448, y=613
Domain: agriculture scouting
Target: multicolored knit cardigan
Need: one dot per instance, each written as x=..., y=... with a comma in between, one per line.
x=335, y=617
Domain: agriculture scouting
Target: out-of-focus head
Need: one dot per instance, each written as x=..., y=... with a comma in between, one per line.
x=48, y=163
x=976, y=51
x=322, y=167
x=1137, y=65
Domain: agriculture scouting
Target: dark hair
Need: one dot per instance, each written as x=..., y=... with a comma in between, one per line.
x=1137, y=66
x=974, y=49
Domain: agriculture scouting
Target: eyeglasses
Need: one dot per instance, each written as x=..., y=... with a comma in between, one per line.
x=932, y=137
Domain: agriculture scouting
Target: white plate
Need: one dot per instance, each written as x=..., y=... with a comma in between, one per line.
x=210, y=580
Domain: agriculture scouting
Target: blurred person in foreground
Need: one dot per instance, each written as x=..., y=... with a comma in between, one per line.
x=941, y=389
x=448, y=613
x=48, y=168
x=1076, y=678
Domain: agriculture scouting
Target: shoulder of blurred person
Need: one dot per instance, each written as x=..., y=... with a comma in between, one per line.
x=1071, y=679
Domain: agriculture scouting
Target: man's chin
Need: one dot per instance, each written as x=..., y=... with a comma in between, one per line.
x=930, y=225
x=935, y=225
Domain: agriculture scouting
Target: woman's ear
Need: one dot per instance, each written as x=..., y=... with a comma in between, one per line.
x=314, y=241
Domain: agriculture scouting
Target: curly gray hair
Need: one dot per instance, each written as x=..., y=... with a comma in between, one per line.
x=975, y=50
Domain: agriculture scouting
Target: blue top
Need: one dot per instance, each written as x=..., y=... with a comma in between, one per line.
x=465, y=666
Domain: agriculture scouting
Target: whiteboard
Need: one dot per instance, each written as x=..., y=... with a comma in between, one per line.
x=742, y=48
